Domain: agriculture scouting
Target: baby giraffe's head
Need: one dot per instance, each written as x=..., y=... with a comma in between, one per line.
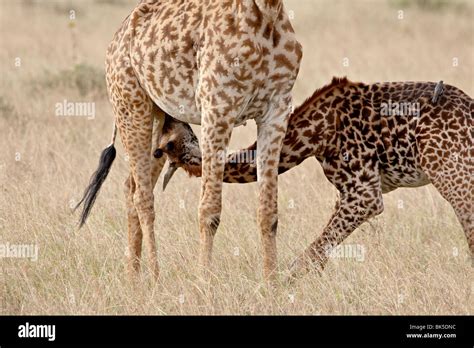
x=179, y=143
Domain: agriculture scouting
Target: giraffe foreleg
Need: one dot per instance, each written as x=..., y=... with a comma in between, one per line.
x=270, y=137
x=215, y=135
x=357, y=204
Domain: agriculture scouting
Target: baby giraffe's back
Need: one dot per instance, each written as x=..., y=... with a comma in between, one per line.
x=417, y=129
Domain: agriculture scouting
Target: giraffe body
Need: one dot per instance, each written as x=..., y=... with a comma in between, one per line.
x=216, y=63
x=186, y=53
x=369, y=143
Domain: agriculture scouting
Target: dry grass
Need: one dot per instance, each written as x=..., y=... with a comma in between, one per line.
x=411, y=265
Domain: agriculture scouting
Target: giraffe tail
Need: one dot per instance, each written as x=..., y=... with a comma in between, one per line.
x=97, y=179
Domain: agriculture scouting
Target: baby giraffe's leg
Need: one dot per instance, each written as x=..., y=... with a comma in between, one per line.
x=361, y=199
x=452, y=177
x=461, y=198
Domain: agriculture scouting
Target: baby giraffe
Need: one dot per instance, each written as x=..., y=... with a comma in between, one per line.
x=369, y=139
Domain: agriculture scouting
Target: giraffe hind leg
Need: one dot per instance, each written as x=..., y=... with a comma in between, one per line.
x=452, y=177
x=457, y=188
x=135, y=114
x=135, y=235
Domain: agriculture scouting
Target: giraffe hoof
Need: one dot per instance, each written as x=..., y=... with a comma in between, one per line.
x=295, y=271
x=301, y=266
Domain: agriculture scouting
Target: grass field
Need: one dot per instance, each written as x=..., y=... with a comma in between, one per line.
x=416, y=257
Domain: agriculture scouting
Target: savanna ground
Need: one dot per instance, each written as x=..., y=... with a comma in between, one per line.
x=416, y=258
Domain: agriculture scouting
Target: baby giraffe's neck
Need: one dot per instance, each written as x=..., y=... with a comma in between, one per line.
x=311, y=132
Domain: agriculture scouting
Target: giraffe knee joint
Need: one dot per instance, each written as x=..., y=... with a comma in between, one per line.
x=143, y=202
x=378, y=209
x=268, y=228
x=214, y=222
x=210, y=222
x=372, y=210
x=273, y=229
x=128, y=186
x=209, y=216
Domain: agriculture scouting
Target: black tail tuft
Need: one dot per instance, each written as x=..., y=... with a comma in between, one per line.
x=90, y=194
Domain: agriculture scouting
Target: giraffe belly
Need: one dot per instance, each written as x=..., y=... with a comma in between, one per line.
x=189, y=111
x=183, y=110
x=392, y=178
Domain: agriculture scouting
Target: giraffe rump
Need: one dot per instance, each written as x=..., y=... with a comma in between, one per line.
x=97, y=179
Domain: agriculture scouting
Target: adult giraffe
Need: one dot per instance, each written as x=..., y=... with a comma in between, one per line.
x=217, y=63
